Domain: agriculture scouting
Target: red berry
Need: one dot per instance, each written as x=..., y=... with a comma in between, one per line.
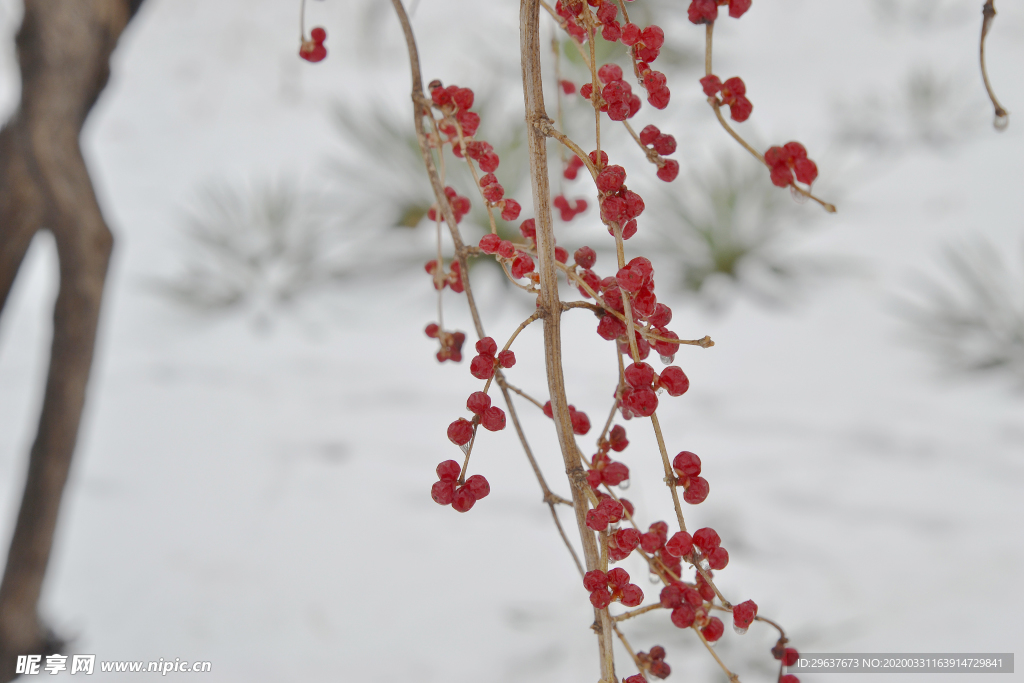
x=506, y=249
x=585, y=257
x=601, y=598
x=736, y=10
x=478, y=486
x=597, y=520
x=649, y=134
x=790, y=656
x=595, y=580
x=487, y=347
x=632, y=596
x=522, y=265
x=528, y=229
x=432, y=330
x=618, y=577
x=561, y=255
x=714, y=629
x=665, y=144
x=318, y=35
x=743, y=614
x=510, y=211
x=478, y=402
x=489, y=243
x=627, y=539
x=740, y=109
x=683, y=615
x=674, y=380
x=448, y=470
x=781, y=176
x=686, y=464
x=707, y=539
x=639, y=375
x=680, y=544
x=463, y=500
x=630, y=34
x=711, y=85
x=660, y=669
x=482, y=367
x=635, y=678
x=460, y=432
x=609, y=73
x=611, y=178
x=789, y=678
x=698, y=491
x=580, y=422
x=615, y=473
x=443, y=492
x=493, y=419
x=718, y=558
x=806, y=170
x=567, y=87
x=506, y=359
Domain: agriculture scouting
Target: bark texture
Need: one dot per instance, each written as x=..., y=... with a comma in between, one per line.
x=64, y=49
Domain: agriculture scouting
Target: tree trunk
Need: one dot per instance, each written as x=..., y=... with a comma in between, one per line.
x=64, y=48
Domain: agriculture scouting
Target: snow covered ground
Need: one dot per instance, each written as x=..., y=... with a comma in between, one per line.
x=260, y=500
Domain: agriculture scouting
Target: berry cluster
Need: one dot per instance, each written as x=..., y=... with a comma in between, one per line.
x=448, y=491
x=566, y=210
x=442, y=279
x=608, y=511
x=788, y=160
x=706, y=11
x=451, y=342
x=313, y=50
x=687, y=468
x=638, y=399
x=616, y=97
x=661, y=144
x=612, y=587
x=460, y=206
x=734, y=94
x=488, y=358
x=580, y=421
x=654, y=662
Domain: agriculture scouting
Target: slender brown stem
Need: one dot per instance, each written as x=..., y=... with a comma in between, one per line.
x=637, y=612
x=550, y=304
x=1002, y=117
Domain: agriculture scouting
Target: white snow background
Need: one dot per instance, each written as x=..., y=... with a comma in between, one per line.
x=261, y=500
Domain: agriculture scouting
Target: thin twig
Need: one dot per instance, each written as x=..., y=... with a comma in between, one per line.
x=1002, y=117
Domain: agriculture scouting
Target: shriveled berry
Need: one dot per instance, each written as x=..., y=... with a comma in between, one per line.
x=714, y=629
x=686, y=464
x=627, y=539
x=506, y=359
x=489, y=243
x=595, y=580
x=478, y=486
x=632, y=596
x=718, y=558
x=482, y=367
x=630, y=34
x=743, y=614
x=601, y=598
x=448, y=470
x=698, y=491
x=611, y=178
x=707, y=539
x=463, y=500
x=478, y=402
x=580, y=422
x=639, y=375
x=683, y=615
x=597, y=520
x=674, y=380
x=680, y=544
x=659, y=669
x=487, y=346
x=615, y=473
x=510, y=211
x=635, y=678
x=460, y=432
x=650, y=134
x=609, y=73
x=585, y=257
x=493, y=419
x=443, y=492
x=618, y=577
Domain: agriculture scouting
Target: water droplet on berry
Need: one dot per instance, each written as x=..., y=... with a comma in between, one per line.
x=798, y=197
x=1001, y=122
x=653, y=578
x=704, y=564
x=624, y=484
x=739, y=631
x=667, y=360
